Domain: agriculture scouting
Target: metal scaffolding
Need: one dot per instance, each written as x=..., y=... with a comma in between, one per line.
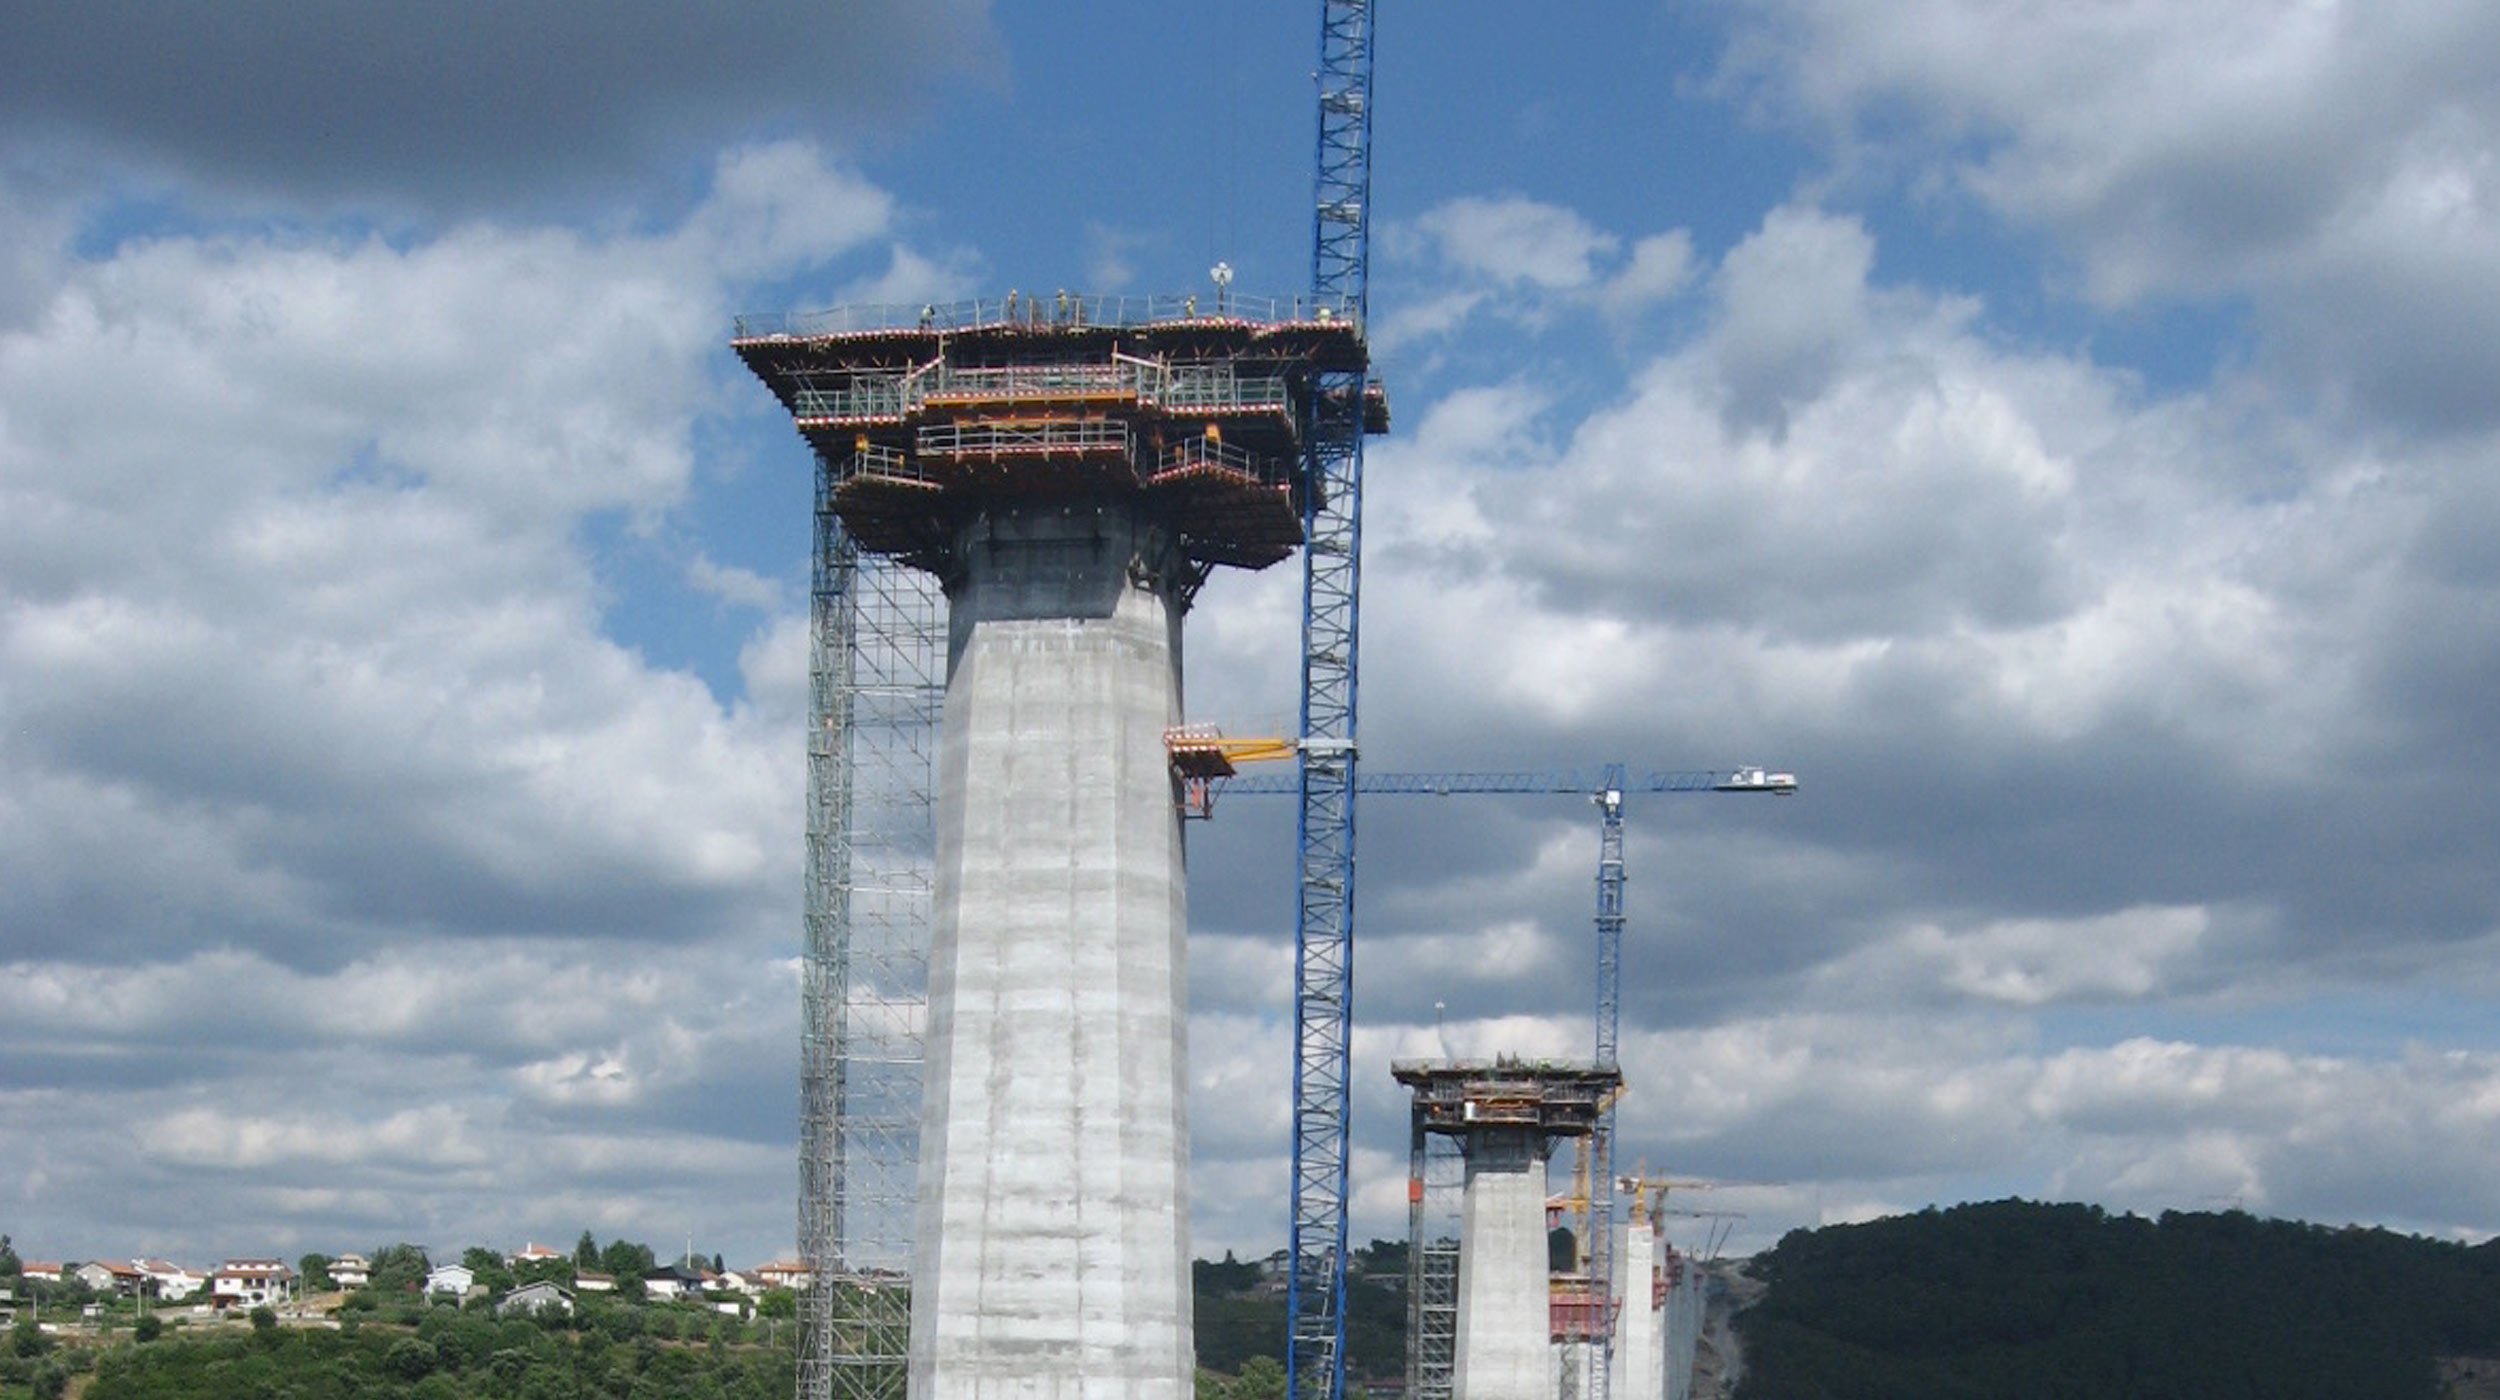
x=876, y=678
x=1435, y=1191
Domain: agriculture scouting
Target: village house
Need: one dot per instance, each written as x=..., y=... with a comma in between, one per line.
x=540, y=1299
x=453, y=1279
x=589, y=1281
x=250, y=1283
x=107, y=1276
x=533, y=1253
x=673, y=1281
x=170, y=1281
x=784, y=1273
x=351, y=1271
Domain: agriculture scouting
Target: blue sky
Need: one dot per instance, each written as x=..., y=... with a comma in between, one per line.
x=2061, y=434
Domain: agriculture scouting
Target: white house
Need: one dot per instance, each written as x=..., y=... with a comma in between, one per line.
x=172, y=1282
x=454, y=1279
x=249, y=1283
x=589, y=1281
x=351, y=1271
x=533, y=1253
x=535, y=1299
x=671, y=1281
x=784, y=1273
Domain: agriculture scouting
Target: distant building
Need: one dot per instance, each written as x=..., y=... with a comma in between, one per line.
x=784, y=1273
x=673, y=1281
x=107, y=1276
x=351, y=1271
x=170, y=1281
x=535, y=1300
x=453, y=1279
x=250, y=1283
x=533, y=1253
x=590, y=1282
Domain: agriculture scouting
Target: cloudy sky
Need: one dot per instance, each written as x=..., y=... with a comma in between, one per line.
x=2064, y=435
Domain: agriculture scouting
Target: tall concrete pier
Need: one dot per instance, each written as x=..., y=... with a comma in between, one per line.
x=1071, y=470
x=1507, y=1116
x=1640, y=1341
x=1052, y=1240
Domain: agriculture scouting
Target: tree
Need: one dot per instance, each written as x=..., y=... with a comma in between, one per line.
x=398, y=1268
x=410, y=1358
x=316, y=1271
x=9, y=1265
x=149, y=1327
x=586, y=1253
x=626, y=1259
x=487, y=1267
x=26, y=1339
x=264, y=1319
x=1261, y=1378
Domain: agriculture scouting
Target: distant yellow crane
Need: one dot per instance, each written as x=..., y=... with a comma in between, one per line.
x=1649, y=1193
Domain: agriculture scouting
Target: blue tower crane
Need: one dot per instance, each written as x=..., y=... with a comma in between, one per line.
x=1605, y=786
x=1332, y=573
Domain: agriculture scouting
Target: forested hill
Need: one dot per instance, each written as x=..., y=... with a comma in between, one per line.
x=2044, y=1302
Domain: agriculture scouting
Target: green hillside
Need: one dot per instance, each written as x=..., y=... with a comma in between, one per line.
x=2043, y=1302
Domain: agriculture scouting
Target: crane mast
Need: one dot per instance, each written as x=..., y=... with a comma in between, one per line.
x=1601, y=1146
x=1332, y=574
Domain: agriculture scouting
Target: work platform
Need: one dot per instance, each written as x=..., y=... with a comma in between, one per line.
x=1197, y=411
x=1557, y=1098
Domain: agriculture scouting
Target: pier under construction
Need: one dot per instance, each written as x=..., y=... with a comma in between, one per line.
x=1484, y=1330
x=1067, y=471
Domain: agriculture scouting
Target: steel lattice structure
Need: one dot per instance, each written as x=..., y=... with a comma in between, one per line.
x=1332, y=574
x=1601, y=1145
x=1436, y=1185
x=875, y=685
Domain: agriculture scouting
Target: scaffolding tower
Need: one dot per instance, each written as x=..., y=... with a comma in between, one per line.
x=875, y=684
x=1437, y=1177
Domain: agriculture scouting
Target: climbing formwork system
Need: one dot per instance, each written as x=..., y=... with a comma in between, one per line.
x=929, y=415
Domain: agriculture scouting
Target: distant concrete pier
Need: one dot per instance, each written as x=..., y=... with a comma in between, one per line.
x=1640, y=1339
x=1503, y=1347
x=1507, y=1116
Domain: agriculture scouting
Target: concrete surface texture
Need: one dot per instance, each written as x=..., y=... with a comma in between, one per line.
x=1052, y=1251
x=1640, y=1337
x=1505, y=1330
